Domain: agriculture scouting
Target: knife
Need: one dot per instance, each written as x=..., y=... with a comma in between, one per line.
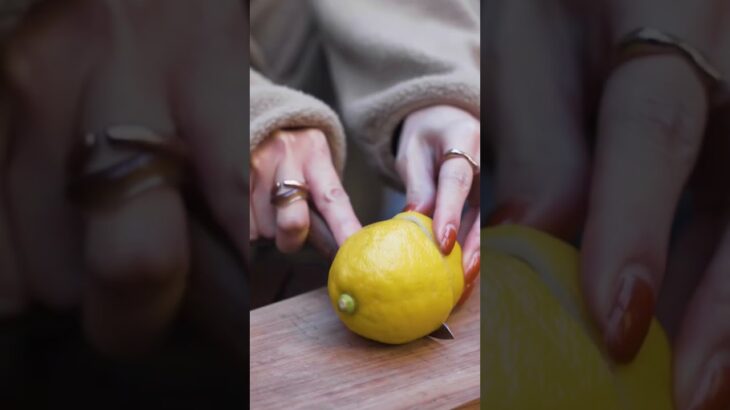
x=320, y=236
x=443, y=332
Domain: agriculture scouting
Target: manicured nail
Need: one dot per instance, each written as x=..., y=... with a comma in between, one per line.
x=714, y=388
x=632, y=311
x=506, y=213
x=473, y=270
x=448, y=239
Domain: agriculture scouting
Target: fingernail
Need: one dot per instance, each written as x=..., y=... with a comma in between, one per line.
x=409, y=207
x=714, y=389
x=506, y=213
x=448, y=239
x=632, y=311
x=473, y=270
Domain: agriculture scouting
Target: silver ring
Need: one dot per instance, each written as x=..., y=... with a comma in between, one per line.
x=457, y=153
x=121, y=162
x=288, y=191
x=647, y=41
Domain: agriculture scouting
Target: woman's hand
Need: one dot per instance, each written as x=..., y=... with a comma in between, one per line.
x=439, y=187
x=301, y=155
x=80, y=68
x=555, y=76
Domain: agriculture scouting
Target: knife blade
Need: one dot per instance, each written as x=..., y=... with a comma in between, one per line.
x=443, y=332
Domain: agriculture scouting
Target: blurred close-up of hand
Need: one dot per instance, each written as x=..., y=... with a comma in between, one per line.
x=135, y=251
x=610, y=120
x=122, y=159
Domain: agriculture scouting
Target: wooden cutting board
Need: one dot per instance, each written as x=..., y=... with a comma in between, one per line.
x=303, y=357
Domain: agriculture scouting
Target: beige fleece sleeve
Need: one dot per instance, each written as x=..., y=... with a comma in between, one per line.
x=274, y=107
x=391, y=57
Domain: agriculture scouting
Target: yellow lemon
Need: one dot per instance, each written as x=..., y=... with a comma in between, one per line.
x=540, y=349
x=389, y=281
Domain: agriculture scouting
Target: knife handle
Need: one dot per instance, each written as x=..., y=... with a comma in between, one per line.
x=320, y=236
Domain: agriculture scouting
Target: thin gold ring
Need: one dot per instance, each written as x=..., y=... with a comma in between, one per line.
x=457, y=153
x=647, y=41
x=288, y=191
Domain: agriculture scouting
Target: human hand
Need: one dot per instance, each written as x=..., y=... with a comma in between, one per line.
x=441, y=187
x=79, y=67
x=301, y=155
x=656, y=136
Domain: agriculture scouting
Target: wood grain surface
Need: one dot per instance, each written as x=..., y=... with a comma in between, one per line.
x=303, y=357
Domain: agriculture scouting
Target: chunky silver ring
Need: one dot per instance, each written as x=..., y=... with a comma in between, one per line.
x=457, y=153
x=288, y=191
x=647, y=41
x=121, y=162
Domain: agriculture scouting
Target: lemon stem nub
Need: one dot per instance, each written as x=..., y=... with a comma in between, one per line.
x=346, y=304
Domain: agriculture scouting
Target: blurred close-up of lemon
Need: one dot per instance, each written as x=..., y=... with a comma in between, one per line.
x=540, y=349
x=389, y=282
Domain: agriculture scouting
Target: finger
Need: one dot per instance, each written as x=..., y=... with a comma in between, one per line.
x=455, y=178
x=699, y=230
x=136, y=252
x=695, y=290
x=292, y=220
x=690, y=254
x=471, y=214
x=137, y=256
x=702, y=351
x=540, y=155
x=471, y=241
x=46, y=231
x=468, y=290
x=651, y=121
x=261, y=207
x=328, y=194
x=415, y=167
